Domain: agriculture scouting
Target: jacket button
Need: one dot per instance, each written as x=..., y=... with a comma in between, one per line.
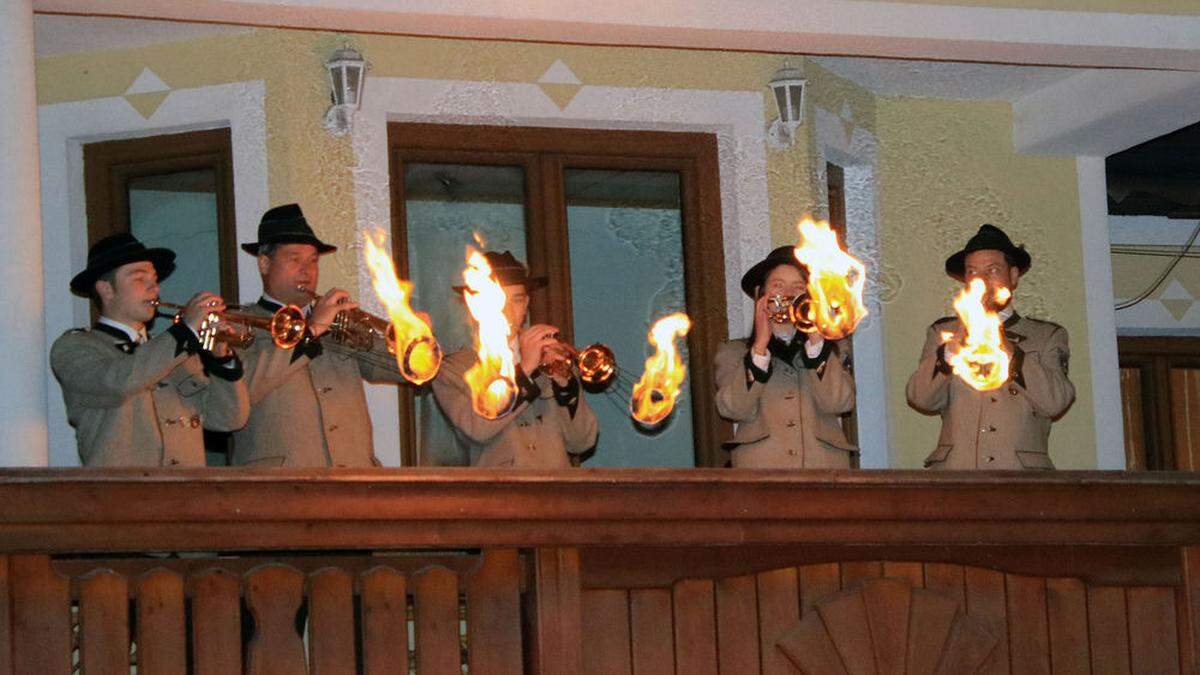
x=173, y=462
x=333, y=427
x=793, y=452
x=983, y=430
x=326, y=390
x=789, y=396
x=994, y=399
x=991, y=459
x=791, y=423
x=162, y=385
x=1012, y=390
x=195, y=421
x=991, y=428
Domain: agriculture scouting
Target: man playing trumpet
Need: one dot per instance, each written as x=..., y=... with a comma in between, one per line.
x=550, y=418
x=784, y=388
x=1005, y=427
x=308, y=407
x=136, y=400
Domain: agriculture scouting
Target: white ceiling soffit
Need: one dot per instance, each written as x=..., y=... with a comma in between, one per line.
x=57, y=34
x=850, y=27
x=944, y=79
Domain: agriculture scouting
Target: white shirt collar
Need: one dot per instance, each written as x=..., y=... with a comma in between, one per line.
x=1006, y=313
x=134, y=334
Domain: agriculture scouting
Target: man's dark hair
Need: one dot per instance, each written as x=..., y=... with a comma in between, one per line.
x=267, y=249
x=111, y=278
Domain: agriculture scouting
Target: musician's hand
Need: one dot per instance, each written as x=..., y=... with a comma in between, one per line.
x=815, y=338
x=762, y=326
x=557, y=351
x=326, y=308
x=532, y=341
x=201, y=305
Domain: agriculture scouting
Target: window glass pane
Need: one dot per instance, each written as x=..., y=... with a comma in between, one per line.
x=179, y=211
x=624, y=229
x=445, y=204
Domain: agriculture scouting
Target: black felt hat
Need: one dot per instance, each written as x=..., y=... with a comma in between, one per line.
x=757, y=276
x=286, y=225
x=989, y=238
x=508, y=271
x=120, y=249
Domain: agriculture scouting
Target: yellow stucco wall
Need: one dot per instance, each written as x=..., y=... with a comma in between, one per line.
x=945, y=167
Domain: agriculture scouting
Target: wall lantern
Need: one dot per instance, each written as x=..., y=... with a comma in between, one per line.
x=788, y=89
x=347, y=71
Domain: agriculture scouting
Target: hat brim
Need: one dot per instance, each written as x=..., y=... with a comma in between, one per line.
x=756, y=276
x=956, y=265
x=322, y=247
x=530, y=284
x=163, y=260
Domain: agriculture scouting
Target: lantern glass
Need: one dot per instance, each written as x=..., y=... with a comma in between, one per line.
x=353, y=83
x=781, y=102
x=337, y=75
x=795, y=99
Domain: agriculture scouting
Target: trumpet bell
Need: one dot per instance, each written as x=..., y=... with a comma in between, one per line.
x=802, y=314
x=421, y=359
x=497, y=399
x=287, y=326
x=597, y=365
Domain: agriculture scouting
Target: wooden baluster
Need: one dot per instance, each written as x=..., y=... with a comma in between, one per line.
x=216, y=624
x=651, y=639
x=161, y=637
x=737, y=624
x=331, y=623
x=104, y=623
x=986, y=600
x=778, y=611
x=41, y=599
x=1029, y=632
x=273, y=594
x=1153, y=633
x=385, y=622
x=1109, y=630
x=436, y=597
x=556, y=635
x=695, y=627
x=1066, y=609
x=494, y=614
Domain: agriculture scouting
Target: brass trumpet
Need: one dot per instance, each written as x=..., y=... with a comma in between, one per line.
x=286, y=326
x=596, y=364
x=797, y=310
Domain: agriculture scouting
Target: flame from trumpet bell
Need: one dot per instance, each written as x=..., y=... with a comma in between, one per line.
x=980, y=361
x=656, y=391
x=836, y=281
x=492, y=380
x=417, y=353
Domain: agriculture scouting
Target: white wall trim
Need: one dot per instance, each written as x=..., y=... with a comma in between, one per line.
x=1102, y=320
x=856, y=154
x=64, y=128
x=736, y=117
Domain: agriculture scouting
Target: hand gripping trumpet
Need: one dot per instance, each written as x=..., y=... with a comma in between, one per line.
x=286, y=326
x=358, y=329
x=596, y=364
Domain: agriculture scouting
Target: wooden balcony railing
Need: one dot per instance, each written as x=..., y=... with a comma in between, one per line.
x=221, y=572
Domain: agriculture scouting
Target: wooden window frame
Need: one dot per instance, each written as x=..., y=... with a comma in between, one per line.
x=543, y=154
x=1155, y=356
x=110, y=165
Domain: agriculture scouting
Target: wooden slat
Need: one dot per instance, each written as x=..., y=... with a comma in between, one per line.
x=6, y=645
x=216, y=624
x=651, y=640
x=1108, y=631
x=695, y=627
x=162, y=640
x=818, y=582
x=331, y=623
x=1066, y=612
x=1029, y=632
x=986, y=599
x=606, y=632
x=854, y=573
x=737, y=625
x=845, y=618
x=1153, y=645
x=104, y=623
x=273, y=595
x=384, y=622
x=1190, y=604
x=435, y=592
x=947, y=580
x=41, y=617
x=778, y=612
x=970, y=644
x=888, y=603
x=556, y=638
x=911, y=572
x=932, y=614
x=494, y=613
x=809, y=647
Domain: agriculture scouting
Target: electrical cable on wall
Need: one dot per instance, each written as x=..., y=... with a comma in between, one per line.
x=1165, y=273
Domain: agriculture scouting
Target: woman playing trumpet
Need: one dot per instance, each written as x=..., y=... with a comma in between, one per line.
x=784, y=388
x=549, y=419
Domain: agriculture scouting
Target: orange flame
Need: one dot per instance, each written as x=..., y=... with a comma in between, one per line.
x=835, y=281
x=417, y=352
x=655, y=393
x=979, y=359
x=493, y=379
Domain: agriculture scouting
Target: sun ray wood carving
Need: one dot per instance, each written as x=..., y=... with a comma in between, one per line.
x=886, y=627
